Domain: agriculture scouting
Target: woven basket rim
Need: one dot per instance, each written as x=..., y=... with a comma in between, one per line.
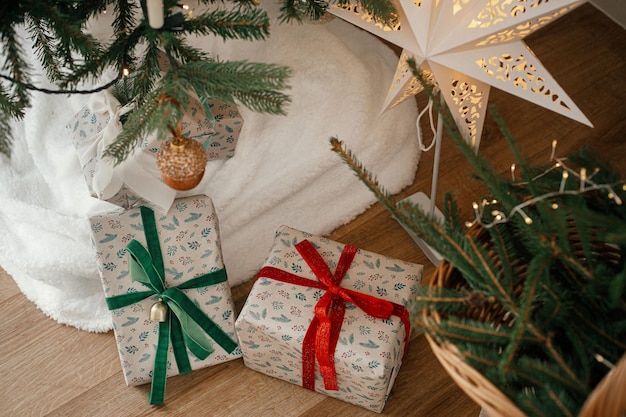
x=606, y=400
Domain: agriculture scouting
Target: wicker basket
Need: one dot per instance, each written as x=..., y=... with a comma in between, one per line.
x=472, y=382
x=608, y=398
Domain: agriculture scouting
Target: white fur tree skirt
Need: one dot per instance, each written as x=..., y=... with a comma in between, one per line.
x=283, y=171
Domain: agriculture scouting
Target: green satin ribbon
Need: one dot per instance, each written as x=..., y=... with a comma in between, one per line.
x=187, y=326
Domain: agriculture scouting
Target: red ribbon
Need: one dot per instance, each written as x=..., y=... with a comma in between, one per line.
x=322, y=335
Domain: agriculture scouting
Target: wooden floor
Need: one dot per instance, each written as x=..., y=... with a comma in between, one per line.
x=47, y=369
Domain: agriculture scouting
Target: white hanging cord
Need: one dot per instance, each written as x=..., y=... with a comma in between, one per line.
x=420, y=135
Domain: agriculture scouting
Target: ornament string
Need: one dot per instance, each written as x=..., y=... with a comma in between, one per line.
x=185, y=325
x=320, y=340
x=420, y=134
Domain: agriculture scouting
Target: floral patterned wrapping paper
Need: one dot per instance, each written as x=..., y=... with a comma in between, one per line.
x=190, y=243
x=87, y=132
x=276, y=316
x=227, y=123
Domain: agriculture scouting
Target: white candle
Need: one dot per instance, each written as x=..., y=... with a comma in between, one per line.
x=155, y=13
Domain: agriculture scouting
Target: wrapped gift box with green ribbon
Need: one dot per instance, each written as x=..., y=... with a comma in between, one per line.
x=330, y=317
x=166, y=286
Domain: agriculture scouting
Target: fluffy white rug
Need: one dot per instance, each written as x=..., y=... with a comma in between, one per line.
x=283, y=171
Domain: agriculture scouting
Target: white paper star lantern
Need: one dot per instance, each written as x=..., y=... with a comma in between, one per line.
x=468, y=46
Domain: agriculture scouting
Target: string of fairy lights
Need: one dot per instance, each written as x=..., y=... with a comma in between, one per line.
x=156, y=20
x=586, y=184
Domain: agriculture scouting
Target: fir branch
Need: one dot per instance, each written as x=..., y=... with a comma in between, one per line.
x=475, y=333
x=451, y=214
x=556, y=400
x=69, y=34
x=9, y=106
x=257, y=86
x=155, y=115
x=5, y=135
x=538, y=270
x=86, y=9
x=231, y=24
x=382, y=11
x=599, y=332
x=16, y=66
x=123, y=91
x=386, y=199
x=125, y=19
x=148, y=72
x=407, y=213
x=504, y=244
x=294, y=10
x=178, y=51
x=484, y=275
x=43, y=45
x=562, y=363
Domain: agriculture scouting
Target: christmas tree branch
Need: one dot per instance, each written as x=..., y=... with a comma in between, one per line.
x=160, y=113
x=256, y=86
x=147, y=73
x=382, y=11
x=5, y=133
x=231, y=24
x=537, y=270
x=485, y=274
x=481, y=362
x=43, y=45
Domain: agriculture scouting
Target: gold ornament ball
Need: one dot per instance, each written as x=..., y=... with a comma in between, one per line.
x=182, y=162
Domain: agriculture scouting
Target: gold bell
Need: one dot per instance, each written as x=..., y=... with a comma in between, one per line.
x=158, y=311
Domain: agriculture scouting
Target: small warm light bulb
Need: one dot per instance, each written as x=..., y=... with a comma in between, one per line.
x=475, y=205
x=185, y=7
x=565, y=175
x=469, y=224
x=528, y=220
x=125, y=72
x=513, y=172
x=615, y=198
x=555, y=206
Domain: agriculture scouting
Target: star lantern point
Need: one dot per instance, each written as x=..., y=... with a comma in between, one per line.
x=467, y=47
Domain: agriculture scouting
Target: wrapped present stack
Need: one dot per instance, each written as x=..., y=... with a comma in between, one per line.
x=166, y=286
x=330, y=317
x=136, y=181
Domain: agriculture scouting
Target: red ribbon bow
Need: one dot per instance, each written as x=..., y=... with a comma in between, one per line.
x=322, y=335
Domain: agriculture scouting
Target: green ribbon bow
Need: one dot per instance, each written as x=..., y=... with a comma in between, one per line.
x=187, y=326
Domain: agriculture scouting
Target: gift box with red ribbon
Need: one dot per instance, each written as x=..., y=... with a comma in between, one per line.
x=167, y=289
x=330, y=317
